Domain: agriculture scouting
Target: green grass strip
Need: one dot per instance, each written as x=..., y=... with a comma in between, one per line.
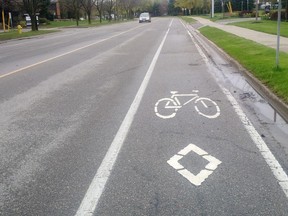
x=256, y=58
x=13, y=34
x=84, y=23
x=266, y=26
x=188, y=19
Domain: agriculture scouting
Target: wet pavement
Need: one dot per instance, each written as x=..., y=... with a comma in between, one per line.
x=249, y=92
x=277, y=106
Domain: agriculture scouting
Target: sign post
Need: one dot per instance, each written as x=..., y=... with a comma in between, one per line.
x=278, y=33
x=11, y=21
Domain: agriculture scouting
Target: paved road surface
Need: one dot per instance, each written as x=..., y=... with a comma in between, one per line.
x=134, y=119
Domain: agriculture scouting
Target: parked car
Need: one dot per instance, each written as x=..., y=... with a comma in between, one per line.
x=144, y=17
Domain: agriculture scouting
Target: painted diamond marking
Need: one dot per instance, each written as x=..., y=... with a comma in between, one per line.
x=203, y=174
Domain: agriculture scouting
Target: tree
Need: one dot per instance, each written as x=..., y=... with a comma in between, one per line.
x=156, y=9
x=100, y=6
x=163, y=7
x=172, y=9
x=8, y=6
x=73, y=7
x=129, y=6
x=186, y=4
x=180, y=3
x=143, y=6
x=88, y=6
x=44, y=9
x=32, y=7
x=109, y=6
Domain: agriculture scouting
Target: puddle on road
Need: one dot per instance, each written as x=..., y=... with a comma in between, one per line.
x=244, y=92
x=230, y=76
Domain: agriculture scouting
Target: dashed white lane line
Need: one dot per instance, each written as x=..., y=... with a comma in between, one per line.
x=270, y=159
x=96, y=188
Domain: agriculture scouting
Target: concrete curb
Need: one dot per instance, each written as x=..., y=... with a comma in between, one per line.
x=276, y=103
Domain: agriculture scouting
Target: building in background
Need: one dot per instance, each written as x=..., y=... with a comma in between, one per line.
x=55, y=9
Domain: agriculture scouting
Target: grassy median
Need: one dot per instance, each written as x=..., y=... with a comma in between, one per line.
x=188, y=19
x=256, y=58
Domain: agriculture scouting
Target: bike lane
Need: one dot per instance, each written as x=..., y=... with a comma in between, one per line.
x=154, y=171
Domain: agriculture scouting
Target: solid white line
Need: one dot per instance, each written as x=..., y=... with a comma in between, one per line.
x=272, y=162
x=96, y=188
x=64, y=54
x=270, y=159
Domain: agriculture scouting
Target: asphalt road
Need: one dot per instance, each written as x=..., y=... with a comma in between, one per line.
x=134, y=119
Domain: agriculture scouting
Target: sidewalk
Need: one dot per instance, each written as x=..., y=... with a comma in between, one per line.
x=259, y=37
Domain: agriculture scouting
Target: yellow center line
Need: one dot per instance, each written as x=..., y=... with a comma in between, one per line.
x=64, y=54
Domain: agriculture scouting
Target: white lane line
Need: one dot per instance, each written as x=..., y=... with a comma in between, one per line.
x=96, y=188
x=270, y=159
x=64, y=54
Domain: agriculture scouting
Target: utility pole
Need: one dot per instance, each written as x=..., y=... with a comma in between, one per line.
x=257, y=3
x=212, y=8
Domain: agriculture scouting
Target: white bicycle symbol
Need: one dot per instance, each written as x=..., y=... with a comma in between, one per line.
x=167, y=107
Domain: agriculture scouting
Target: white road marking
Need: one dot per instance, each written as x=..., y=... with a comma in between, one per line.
x=270, y=159
x=64, y=54
x=176, y=104
x=194, y=148
x=203, y=174
x=198, y=179
x=204, y=104
x=173, y=161
x=95, y=190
